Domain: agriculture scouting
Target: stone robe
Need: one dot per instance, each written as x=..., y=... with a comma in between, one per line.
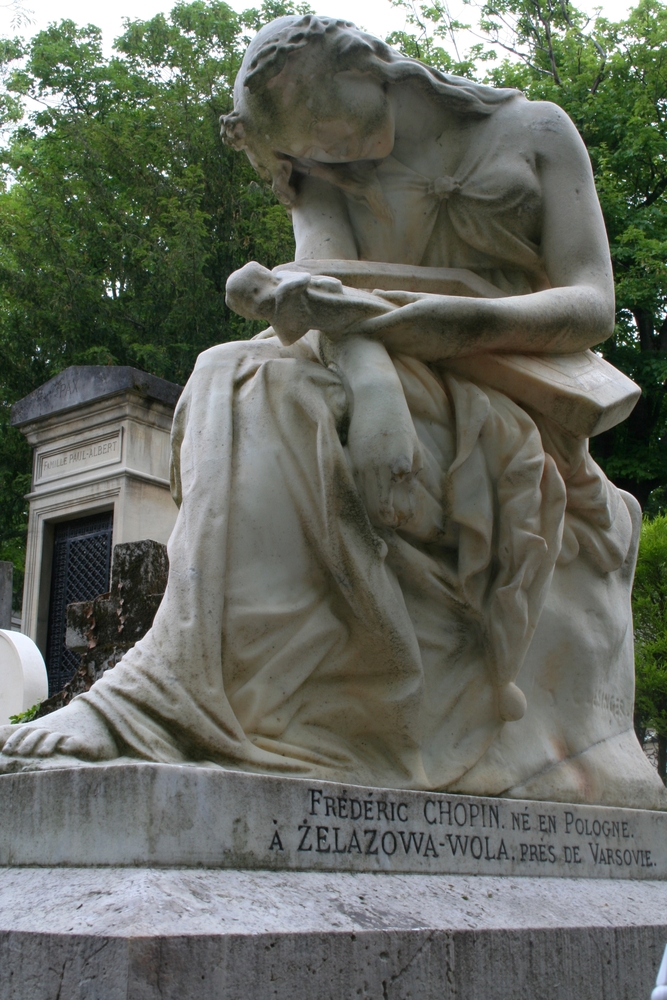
x=295, y=637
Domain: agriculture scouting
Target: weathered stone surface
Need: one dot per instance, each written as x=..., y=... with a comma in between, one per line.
x=167, y=814
x=581, y=392
x=120, y=934
x=104, y=629
x=100, y=437
x=384, y=572
x=84, y=383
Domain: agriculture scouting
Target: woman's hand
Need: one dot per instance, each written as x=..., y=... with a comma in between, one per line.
x=382, y=443
x=291, y=316
x=385, y=455
x=294, y=302
x=422, y=324
x=324, y=304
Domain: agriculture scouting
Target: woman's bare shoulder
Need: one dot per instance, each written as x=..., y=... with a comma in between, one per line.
x=552, y=131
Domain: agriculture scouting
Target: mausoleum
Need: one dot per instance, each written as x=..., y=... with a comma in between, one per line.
x=100, y=436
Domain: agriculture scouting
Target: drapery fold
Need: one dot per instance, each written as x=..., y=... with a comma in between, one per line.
x=293, y=636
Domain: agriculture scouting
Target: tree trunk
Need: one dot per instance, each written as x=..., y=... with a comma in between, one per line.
x=662, y=336
x=646, y=327
x=662, y=757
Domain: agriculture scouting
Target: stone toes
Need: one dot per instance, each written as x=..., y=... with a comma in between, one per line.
x=12, y=742
x=49, y=745
x=6, y=733
x=22, y=744
x=401, y=469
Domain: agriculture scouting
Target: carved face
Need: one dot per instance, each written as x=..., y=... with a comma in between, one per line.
x=313, y=112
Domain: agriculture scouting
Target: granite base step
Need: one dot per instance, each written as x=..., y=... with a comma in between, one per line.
x=159, y=934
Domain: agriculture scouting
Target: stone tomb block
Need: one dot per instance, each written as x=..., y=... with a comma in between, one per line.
x=101, y=440
x=161, y=934
x=185, y=815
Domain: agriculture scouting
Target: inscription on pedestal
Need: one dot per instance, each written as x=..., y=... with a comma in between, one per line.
x=79, y=457
x=411, y=831
x=166, y=814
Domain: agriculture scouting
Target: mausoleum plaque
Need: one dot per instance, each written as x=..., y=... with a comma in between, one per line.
x=162, y=814
x=89, y=453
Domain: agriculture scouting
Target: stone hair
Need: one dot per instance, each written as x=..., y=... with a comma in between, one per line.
x=351, y=48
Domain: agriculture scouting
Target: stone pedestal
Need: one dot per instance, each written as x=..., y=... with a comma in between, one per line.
x=101, y=443
x=160, y=934
x=180, y=882
x=176, y=815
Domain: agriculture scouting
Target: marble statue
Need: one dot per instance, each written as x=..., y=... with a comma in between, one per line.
x=395, y=562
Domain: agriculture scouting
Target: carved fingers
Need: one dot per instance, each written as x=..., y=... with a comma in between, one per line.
x=385, y=467
x=32, y=741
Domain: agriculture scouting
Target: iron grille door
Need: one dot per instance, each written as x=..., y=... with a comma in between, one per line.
x=81, y=569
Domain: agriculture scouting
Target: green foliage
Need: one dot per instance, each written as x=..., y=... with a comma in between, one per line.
x=27, y=716
x=432, y=26
x=121, y=212
x=649, y=605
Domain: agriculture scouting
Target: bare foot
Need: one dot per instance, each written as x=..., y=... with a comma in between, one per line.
x=75, y=731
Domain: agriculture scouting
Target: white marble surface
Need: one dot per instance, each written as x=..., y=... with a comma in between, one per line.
x=384, y=571
x=156, y=814
x=23, y=679
x=121, y=901
x=660, y=991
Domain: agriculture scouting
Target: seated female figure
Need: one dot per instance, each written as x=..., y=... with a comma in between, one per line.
x=482, y=641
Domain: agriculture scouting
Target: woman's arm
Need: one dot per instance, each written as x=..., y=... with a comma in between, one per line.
x=381, y=440
x=575, y=313
x=321, y=224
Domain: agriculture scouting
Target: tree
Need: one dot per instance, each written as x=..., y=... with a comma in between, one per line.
x=649, y=605
x=122, y=213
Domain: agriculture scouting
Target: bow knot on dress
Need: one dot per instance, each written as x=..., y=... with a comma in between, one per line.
x=442, y=187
